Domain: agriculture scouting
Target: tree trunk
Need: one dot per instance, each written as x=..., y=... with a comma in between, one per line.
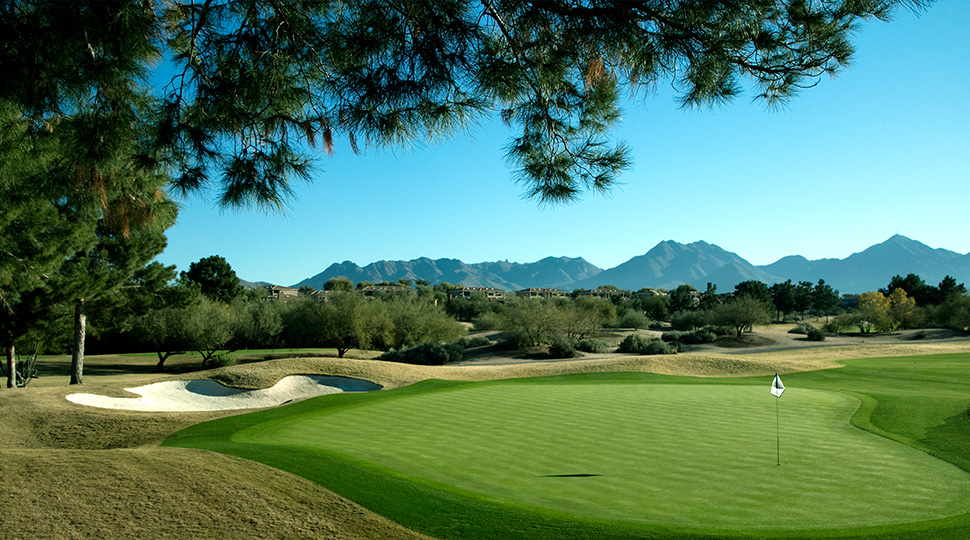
x=77, y=359
x=11, y=366
x=162, y=357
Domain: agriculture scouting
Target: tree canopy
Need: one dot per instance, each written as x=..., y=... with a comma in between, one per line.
x=107, y=106
x=216, y=278
x=246, y=85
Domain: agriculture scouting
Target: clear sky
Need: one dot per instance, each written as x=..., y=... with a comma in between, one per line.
x=883, y=148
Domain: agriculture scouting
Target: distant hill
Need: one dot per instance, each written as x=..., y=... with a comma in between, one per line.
x=872, y=268
x=669, y=264
x=558, y=272
x=254, y=284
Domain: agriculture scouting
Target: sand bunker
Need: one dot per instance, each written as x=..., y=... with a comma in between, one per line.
x=199, y=395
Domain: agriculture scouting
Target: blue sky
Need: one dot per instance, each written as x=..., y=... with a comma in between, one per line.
x=883, y=148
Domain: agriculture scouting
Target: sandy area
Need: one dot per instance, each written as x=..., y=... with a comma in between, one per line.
x=203, y=395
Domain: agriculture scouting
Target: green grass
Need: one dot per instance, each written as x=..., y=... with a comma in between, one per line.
x=639, y=455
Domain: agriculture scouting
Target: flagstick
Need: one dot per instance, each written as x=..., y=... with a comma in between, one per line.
x=778, y=430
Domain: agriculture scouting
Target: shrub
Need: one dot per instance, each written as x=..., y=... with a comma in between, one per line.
x=592, y=346
x=513, y=342
x=814, y=334
x=426, y=354
x=633, y=319
x=477, y=341
x=632, y=344
x=26, y=368
x=562, y=348
x=487, y=321
x=831, y=327
x=643, y=345
x=657, y=346
x=673, y=335
x=699, y=336
x=721, y=330
x=693, y=338
x=802, y=329
x=222, y=359
x=689, y=320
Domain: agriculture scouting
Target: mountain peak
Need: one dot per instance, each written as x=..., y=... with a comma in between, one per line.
x=671, y=263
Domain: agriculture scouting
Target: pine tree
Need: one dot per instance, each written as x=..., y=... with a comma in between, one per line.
x=256, y=79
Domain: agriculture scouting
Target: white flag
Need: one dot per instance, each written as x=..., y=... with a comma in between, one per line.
x=777, y=389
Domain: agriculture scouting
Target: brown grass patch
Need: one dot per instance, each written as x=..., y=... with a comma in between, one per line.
x=173, y=493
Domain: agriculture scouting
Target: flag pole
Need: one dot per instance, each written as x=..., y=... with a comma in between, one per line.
x=777, y=389
x=778, y=431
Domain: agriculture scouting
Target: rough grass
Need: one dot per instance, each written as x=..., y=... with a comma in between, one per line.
x=79, y=472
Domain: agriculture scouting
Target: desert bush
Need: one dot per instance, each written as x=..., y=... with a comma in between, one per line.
x=699, y=336
x=414, y=321
x=592, y=346
x=657, y=346
x=692, y=338
x=513, y=342
x=633, y=319
x=535, y=323
x=643, y=345
x=689, y=320
x=562, y=348
x=632, y=343
x=801, y=329
x=477, y=341
x=831, y=326
x=487, y=321
x=844, y=322
x=814, y=334
x=426, y=354
x=671, y=336
x=222, y=359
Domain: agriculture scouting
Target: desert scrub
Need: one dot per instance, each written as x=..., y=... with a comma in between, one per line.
x=487, y=321
x=427, y=354
x=222, y=359
x=644, y=345
x=814, y=334
x=633, y=319
x=690, y=338
x=802, y=329
x=477, y=341
x=592, y=346
x=562, y=348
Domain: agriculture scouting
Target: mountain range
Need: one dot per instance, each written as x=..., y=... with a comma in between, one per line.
x=669, y=264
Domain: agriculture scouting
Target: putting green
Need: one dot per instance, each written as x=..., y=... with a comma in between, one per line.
x=684, y=456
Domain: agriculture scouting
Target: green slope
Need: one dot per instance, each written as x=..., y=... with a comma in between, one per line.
x=638, y=455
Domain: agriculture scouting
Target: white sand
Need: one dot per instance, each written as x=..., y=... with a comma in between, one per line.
x=200, y=395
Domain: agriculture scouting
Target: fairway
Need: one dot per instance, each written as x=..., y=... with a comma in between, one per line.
x=644, y=453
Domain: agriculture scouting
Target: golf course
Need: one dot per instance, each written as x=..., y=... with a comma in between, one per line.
x=867, y=441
